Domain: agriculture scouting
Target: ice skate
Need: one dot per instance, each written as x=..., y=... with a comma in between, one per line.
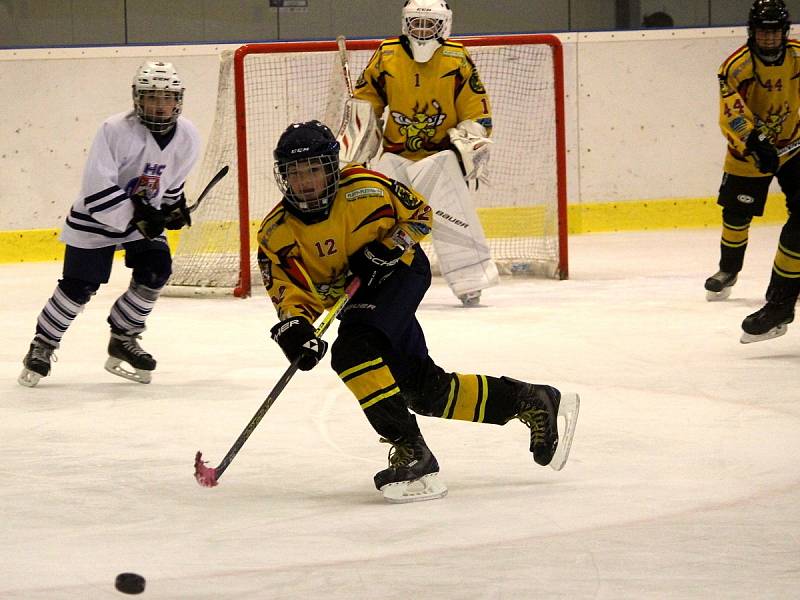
x=36, y=362
x=470, y=299
x=541, y=407
x=413, y=473
x=769, y=322
x=718, y=286
x=126, y=348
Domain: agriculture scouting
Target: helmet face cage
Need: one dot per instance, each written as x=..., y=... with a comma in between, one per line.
x=768, y=15
x=307, y=155
x=157, y=83
x=425, y=24
x=283, y=171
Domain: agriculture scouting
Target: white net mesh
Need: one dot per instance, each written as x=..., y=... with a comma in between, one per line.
x=519, y=210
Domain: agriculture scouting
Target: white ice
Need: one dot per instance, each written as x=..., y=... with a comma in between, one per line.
x=683, y=480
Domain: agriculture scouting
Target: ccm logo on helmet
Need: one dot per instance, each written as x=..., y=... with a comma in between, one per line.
x=297, y=150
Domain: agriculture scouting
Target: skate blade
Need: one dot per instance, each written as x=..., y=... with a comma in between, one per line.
x=428, y=487
x=749, y=338
x=28, y=378
x=114, y=366
x=724, y=294
x=568, y=410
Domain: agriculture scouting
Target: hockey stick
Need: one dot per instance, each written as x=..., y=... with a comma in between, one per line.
x=209, y=476
x=341, y=43
x=214, y=181
x=789, y=148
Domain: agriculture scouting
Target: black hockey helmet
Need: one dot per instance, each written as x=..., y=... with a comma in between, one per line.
x=304, y=153
x=768, y=14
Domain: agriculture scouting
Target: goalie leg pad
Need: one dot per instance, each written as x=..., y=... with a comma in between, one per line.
x=464, y=257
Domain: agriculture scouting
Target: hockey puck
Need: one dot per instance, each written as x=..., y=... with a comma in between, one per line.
x=129, y=583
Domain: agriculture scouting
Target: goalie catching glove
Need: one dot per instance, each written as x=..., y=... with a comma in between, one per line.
x=298, y=340
x=470, y=140
x=374, y=263
x=764, y=152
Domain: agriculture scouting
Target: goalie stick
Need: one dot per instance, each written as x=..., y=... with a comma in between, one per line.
x=209, y=476
x=214, y=181
x=342, y=45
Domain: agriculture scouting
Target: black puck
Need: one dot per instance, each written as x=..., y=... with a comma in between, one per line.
x=129, y=583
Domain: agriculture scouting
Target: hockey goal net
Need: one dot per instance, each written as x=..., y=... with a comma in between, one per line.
x=265, y=87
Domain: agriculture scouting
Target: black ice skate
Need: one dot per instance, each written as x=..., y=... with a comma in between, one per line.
x=412, y=475
x=125, y=348
x=540, y=407
x=768, y=322
x=718, y=286
x=37, y=362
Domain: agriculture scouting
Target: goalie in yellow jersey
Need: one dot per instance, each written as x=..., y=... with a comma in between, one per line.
x=759, y=102
x=332, y=225
x=436, y=135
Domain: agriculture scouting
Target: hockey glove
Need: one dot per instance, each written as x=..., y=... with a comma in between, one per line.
x=177, y=215
x=148, y=220
x=763, y=151
x=298, y=340
x=374, y=263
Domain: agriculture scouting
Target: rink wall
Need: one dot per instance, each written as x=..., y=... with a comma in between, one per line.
x=643, y=146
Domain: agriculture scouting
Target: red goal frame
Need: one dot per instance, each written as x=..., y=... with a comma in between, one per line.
x=244, y=286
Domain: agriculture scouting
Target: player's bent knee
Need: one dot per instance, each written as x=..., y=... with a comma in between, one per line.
x=737, y=217
x=153, y=269
x=77, y=290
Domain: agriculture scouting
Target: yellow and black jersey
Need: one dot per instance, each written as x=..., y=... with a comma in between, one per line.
x=304, y=266
x=424, y=99
x=756, y=95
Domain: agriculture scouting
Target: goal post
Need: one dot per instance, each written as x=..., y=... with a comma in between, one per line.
x=265, y=87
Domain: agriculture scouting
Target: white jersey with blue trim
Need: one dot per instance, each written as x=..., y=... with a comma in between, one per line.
x=124, y=159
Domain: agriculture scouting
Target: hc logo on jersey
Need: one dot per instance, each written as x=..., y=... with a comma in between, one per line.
x=154, y=170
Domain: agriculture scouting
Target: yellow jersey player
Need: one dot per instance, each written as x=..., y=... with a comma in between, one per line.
x=333, y=224
x=759, y=101
x=435, y=137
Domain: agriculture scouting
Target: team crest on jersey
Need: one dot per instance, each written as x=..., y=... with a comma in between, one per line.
x=149, y=184
x=265, y=266
x=772, y=126
x=405, y=196
x=475, y=83
x=724, y=88
x=420, y=127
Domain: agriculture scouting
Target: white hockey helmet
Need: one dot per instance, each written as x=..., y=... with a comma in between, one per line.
x=426, y=24
x=157, y=80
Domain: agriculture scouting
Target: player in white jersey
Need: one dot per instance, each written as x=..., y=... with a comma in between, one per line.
x=436, y=136
x=132, y=190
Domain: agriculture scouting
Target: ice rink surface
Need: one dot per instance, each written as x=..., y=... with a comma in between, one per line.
x=683, y=480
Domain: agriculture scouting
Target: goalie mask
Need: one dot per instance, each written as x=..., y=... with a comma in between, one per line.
x=767, y=30
x=157, y=96
x=307, y=169
x=426, y=25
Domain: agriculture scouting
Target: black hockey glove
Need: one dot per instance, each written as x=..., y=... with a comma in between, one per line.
x=177, y=215
x=148, y=220
x=374, y=263
x=297, y=339
x=763, y=151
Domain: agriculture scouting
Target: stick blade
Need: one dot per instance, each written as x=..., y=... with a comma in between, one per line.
x=205, y=476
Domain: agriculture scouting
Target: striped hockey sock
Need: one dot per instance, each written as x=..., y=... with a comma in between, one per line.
x=56, y=317
x=130, y=311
